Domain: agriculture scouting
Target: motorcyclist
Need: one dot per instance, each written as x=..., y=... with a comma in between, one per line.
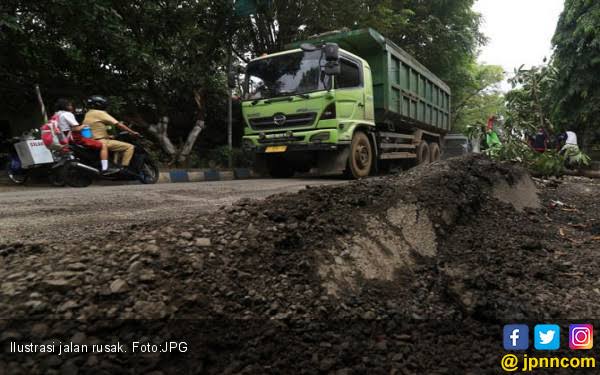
x=69, y=125
x=98, y=120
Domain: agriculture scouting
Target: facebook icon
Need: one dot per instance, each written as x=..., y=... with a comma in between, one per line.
x=516, y=337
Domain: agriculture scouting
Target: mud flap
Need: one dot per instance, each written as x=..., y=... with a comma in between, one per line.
x=259, y=165
x=332, y=162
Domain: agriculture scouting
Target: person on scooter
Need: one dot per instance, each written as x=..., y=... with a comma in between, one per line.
x=98, y=120
x=69, y=125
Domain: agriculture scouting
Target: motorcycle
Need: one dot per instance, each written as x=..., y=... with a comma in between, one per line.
x=19, y=174
x=84, y=164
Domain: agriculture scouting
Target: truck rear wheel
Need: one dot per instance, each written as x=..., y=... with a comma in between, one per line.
x=360, y=159
x=434, y=152
x=423, y=156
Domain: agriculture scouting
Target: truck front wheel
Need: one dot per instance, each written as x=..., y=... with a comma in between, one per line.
x=360, y=160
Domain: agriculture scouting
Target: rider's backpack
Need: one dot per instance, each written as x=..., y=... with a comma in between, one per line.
x=52, y=136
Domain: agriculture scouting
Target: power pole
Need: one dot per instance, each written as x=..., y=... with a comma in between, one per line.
x=229, y=90
x=241, y=8
x=229, y=108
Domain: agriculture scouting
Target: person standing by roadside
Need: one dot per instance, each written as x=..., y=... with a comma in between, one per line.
x=99, y=120
x=570, y=148
x=492, y=140
x=539, y=142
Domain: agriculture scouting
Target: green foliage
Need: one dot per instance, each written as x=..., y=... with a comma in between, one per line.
x=563, y=95
x=574, y=157
x=527, y=110
x=549, y=163
x=511, y=149
x=150, y=56
x=577, y=61
x=515, y=149
x=219, y=157
x=552, y=163
x=529, y=104
x=445, y=37
x=580, y=159
x=481, y=98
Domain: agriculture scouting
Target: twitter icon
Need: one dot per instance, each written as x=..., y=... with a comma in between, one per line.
x=546, y=337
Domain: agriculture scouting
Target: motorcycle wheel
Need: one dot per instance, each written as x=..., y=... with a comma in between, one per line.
x=17, y=176
x=56, y=178
x=149, y=172
x=74, y=177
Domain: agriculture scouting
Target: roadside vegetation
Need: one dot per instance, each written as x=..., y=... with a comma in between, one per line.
x=561, y=95
x=163, y=64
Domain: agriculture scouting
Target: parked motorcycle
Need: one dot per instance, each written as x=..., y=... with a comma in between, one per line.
x=19, y=172
x=84, y=164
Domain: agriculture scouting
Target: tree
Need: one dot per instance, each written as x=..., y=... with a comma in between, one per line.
x=444, y=36
x=156, y=59
x=528, y=108
x=577, y=61
x=480, y=97
x=529, y=103
x=279, y=22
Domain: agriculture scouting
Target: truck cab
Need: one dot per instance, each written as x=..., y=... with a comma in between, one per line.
x=296, y=113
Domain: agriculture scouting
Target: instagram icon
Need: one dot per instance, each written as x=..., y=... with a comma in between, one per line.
x=581, y=336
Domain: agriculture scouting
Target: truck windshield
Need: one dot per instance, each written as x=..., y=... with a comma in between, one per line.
x=289, y=74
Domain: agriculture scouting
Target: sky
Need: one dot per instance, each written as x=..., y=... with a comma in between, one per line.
x=519, y=31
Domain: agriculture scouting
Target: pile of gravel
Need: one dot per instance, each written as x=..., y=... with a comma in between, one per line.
x=404, y=274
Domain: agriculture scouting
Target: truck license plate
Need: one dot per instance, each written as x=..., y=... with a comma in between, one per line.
x=272, y=149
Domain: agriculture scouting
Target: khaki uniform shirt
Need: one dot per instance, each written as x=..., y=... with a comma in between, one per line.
x=98, y=121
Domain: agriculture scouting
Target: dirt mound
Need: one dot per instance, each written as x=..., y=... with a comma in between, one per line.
x=413, y=272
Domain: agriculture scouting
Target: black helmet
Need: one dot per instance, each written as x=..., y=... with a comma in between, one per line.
x=97, y=102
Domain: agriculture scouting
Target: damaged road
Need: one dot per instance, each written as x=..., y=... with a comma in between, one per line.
x=68, y=214
x=406, y=274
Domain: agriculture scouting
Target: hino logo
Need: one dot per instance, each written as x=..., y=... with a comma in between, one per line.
x=279, y=119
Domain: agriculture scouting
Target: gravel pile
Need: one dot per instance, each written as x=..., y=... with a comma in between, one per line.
x=406, y=274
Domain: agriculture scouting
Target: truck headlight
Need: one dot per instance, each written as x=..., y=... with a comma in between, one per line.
x=247, y=144
x=320, y=137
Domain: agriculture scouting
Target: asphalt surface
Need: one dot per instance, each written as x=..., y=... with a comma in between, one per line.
x=48, y=214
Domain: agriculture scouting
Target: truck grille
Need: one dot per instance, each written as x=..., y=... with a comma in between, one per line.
x=281, y=121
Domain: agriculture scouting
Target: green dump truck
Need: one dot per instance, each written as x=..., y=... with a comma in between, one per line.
x=348, y=102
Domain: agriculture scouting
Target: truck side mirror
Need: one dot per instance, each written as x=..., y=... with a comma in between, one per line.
x=332, y=52
x=332, y=56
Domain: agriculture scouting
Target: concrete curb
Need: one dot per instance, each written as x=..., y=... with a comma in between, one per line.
x=199, y=175
x=171, y=176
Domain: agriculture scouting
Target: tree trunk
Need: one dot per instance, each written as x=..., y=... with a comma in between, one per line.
x=189, y=143
x=160, y=132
